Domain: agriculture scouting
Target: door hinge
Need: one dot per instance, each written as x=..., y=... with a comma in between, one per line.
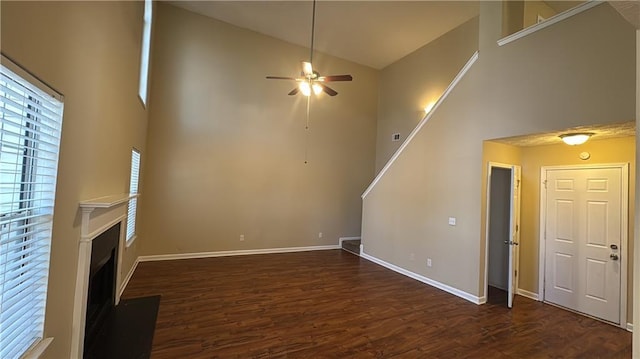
x=516, y=273
x=517, y=227
x=545, y=184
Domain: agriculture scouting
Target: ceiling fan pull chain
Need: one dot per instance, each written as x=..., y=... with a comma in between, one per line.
x=306, y=129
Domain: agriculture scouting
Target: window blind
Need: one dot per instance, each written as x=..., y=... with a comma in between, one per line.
x=133, y=189
x=30, y=129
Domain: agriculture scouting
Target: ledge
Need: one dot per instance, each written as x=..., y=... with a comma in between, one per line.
x=108, y=201
x=548, y=22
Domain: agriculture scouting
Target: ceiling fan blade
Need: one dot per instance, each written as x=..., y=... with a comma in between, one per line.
x=328, y=90
x=336, y=78
x=279, y=78
x=294, y=91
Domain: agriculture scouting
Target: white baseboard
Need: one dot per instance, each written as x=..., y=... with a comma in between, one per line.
x=126, y=279
x=341, y=239
x=630, y=327
x=526, y=293
x=457, y=292
x=168, y=257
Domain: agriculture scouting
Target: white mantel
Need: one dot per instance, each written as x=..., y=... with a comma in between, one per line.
x=98, y=215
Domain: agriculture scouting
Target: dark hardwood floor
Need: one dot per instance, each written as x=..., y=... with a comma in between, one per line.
x=332, y=304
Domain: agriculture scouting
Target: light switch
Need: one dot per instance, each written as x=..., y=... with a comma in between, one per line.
x=452, y=221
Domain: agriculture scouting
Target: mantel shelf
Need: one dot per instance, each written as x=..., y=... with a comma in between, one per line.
x=108, y=201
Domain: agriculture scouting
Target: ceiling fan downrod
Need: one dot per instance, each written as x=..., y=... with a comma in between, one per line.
x=313, y=28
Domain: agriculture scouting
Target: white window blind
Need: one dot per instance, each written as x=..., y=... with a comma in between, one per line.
x=30, y=127
x=133, y=189
x=145, y=50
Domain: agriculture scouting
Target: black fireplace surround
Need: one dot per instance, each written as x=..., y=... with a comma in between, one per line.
x=102, y=283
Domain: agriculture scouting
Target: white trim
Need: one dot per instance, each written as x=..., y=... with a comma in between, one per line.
x=38, y=349
x=127, y=278
x=424, y=120
x=630, y=327
x=624, y=233
x=457, y=292
x=527, y=294
x=169, y=257
x=548, y=22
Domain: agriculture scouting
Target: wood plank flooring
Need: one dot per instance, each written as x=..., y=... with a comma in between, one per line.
x=332, y=304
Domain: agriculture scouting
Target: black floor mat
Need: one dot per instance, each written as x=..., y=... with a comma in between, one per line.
x=128, y=331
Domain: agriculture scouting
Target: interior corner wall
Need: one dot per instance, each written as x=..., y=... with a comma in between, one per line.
x=89, y=51
x=636, y=266
x=550, y=80
x=615, y=150
x=227, y=147
x=417, y=80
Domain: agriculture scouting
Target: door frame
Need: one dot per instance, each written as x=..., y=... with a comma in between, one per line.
x=624, y=237
x=512, y=217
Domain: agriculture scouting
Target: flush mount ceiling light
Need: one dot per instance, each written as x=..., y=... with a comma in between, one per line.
x=574, y=139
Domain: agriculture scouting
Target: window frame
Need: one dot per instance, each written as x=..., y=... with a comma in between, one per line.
x=134, y=192
x=145, y=53
x=36, y=122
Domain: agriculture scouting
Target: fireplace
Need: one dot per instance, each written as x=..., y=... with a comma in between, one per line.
x=101, y=295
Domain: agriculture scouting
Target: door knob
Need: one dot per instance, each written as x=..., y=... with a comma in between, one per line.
x=613, y=256
x=511, y=242
x=614, y=246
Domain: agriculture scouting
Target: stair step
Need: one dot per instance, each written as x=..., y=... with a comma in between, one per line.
x=352, y=245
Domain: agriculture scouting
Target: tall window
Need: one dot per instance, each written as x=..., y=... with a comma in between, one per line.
x=146, y=47
x=30, y=124
x=133, y=190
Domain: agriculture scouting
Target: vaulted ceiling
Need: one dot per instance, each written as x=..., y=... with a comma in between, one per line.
x=372, y=33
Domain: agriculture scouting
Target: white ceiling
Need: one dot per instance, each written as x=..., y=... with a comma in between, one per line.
x=372, y=33
x=600, y=132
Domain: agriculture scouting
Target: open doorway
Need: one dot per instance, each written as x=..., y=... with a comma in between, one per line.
x=503, y=208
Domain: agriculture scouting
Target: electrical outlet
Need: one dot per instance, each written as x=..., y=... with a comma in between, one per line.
x=319, y=234
x=429, y=262
x=452, y=221
x=241, y=237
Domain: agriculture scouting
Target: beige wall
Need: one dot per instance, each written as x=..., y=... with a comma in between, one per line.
x=534, y=8
x=226, y=146
x=617, y=150
x=419, y=79
x=441, y=172
x=512, y=16
x=89, y=51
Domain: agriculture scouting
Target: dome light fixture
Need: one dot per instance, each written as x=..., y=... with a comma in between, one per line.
x=574, y=139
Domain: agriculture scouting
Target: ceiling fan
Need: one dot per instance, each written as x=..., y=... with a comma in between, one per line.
x=310, y=80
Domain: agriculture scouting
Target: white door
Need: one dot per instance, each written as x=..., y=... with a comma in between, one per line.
x=583, y=230
x=514, y=233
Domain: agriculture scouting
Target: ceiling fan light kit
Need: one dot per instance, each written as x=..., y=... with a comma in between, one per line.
x=310, y=80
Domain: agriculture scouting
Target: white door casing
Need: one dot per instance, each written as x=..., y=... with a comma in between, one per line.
x=584, y=212
x=514, y=233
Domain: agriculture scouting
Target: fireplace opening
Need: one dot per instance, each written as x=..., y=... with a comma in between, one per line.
x=102, y=283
